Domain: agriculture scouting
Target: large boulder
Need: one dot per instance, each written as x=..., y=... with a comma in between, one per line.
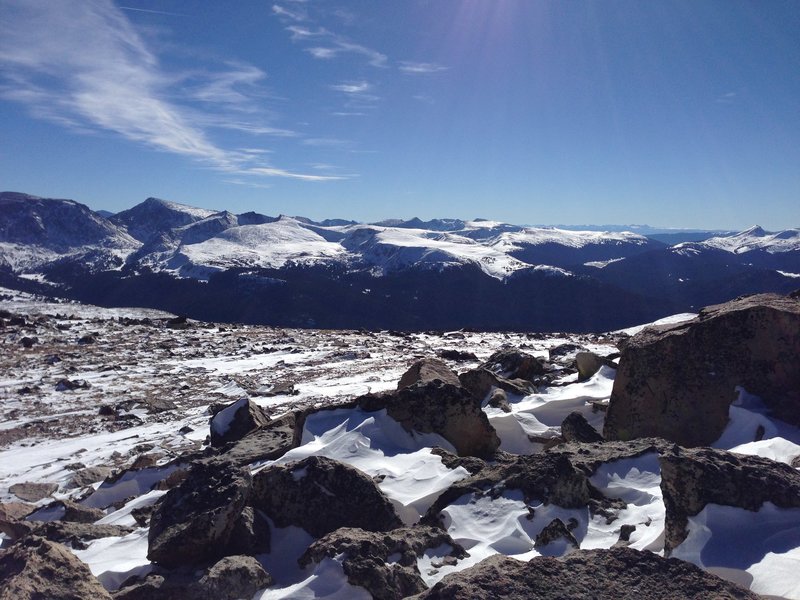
x=35, y=569
x=589, y=363
x=575, y=428
x=480, y=382
x=691, y=478
x=678, y=381
x=439, y=407
x=237, y=420
x=366, y=557
x=194, y=522
x=515, y=364
x=427, y=370
x=616, y=574
x=321, y=495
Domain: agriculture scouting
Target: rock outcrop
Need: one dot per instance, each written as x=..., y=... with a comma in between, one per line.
x=616, y=574
x=678, y=381
x=35, y=568
x=321, y=495
x=426, y=371
x=367, y=557
x=575, y=428
x=438, y=407
x=194, y=522
x=589, y=363
x=268, y=442
x=691, y=478
x=236, y=421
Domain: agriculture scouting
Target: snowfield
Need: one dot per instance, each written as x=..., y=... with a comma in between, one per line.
x=158, y=379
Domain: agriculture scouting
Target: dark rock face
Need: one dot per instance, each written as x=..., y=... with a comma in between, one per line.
x=367, y=553
x=236, y=421
x=426, y=371
x=677, y=381
x=194, y=522
x=269, y=442
x=548, y=477
x=321, y=495
x=554, y=531
x=35, y=569
x=438, y=407
x=575, y=428
x=232, y=578
x=694, y=477
x=514, y=364
x=616, y=574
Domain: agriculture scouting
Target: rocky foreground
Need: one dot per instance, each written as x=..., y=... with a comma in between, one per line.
x=143, y=455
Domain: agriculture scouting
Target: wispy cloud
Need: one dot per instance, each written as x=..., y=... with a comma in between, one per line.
x=352, y=87
x=153, y=12
x=329, y=44
x=728, y=98
x=420, y=67
x=120, y=86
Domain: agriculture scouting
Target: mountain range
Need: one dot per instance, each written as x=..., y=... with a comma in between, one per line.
x=395, y=274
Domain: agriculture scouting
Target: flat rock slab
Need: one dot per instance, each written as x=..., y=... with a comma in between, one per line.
x=33, y=492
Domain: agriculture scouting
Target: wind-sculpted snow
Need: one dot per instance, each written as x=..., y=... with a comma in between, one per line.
x=153, y=382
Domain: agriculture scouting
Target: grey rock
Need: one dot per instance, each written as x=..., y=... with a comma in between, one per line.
x=35, y=569
x=514, y=364
x=33, y=491
x=691, y=478
x=589, y=363
x=575, y=428
x=616, y=574
x=321, y=495
x=499, y=399
x=236, y=421
x=269, y=442
x=426, y=371
x=88, y=476
x=480, y=382
x=678, y=381
x=366, y=561
x=442, y=408
x=194, y=521
x=77, y=534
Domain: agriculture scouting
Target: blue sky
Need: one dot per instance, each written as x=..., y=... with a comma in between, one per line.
x=678, y=114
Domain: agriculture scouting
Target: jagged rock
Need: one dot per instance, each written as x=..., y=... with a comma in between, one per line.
x=35, y=569
x=694, y=477
x=480, y=382
x=589, y=363
x=589, y=457
x=269, y=442
x=564, y=350
x=236, y=421
x=549, y=478
x=77, y=534
x=426, y=371
x=88, y=476
x=616, y=574
x=624, y=536
x=514, y=364
x=32, y=491
x=575, y=428
x=28, y=342
x=65, y=385
x=555, y=531
x=321, y=495
x=442, y=408
x=194, y=521
x=678, y=381
x=366, y=562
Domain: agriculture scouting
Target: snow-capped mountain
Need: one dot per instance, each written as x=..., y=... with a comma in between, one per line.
x=402, y=274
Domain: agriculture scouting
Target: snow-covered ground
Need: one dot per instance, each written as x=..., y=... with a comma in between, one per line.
x=133, y=366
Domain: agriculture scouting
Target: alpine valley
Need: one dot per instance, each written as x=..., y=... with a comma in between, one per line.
x=406, y=275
